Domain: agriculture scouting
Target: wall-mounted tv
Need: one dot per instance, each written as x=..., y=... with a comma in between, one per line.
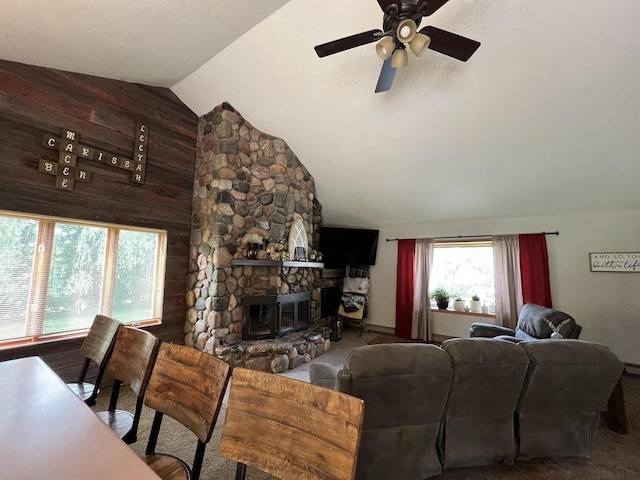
x=348, y=246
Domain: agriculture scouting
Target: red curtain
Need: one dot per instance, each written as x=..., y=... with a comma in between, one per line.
x=404, y=287
x=534, y=268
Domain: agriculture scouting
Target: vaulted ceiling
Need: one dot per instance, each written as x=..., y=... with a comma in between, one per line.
x=541, y=120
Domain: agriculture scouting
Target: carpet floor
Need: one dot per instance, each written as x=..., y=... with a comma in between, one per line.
x=389, y=338
x=615, y=457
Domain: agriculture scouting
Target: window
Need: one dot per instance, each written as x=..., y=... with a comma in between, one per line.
x=57, y=274
x=464, y=269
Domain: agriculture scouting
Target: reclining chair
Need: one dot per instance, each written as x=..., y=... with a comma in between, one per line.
x=535, y=322
x=478, y=424
x=566, y=386
x=405, y=388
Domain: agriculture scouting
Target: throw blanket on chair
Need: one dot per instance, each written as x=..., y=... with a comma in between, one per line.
x=353, y=301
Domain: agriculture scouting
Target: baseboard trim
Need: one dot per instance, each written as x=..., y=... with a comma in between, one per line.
x=392, y=331
x=379, y=328
x=632, y=368
x=440, y=338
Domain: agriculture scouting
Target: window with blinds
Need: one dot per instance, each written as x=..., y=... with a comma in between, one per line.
x=57, y=274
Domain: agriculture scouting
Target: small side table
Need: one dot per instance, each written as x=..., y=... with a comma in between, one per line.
x=616, y=416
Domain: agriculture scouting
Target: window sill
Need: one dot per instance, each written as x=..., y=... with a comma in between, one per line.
x=456, y=312
x=54, y=338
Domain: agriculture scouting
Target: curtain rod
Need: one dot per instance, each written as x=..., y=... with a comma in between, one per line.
x=468, y=236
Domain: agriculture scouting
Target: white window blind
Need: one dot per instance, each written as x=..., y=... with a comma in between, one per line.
x=57, y=274
x=17, y=253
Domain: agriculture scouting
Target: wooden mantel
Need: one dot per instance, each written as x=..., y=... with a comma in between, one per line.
x=275, y=263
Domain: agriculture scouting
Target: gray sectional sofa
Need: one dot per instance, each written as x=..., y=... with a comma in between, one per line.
x=473, y=402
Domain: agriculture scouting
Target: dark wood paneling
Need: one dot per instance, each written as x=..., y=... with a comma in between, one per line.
x=35, y=101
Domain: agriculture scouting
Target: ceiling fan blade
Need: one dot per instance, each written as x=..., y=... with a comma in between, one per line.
x=384, y=4
x=346, y=43
x=387, y=74
x=450, y=44
x=427, y=7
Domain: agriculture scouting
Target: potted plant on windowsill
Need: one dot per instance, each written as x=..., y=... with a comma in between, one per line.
x=458, y=304
x=441, y=296
x=475, y=303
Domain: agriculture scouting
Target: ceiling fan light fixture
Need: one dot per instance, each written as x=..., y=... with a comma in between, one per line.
x=399, y=58
x=400, y=22
x=385, y=47
x=406, y=30
x=419, y=44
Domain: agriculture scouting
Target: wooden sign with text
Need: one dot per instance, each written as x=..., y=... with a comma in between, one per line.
x=614, y=261
x=67, y=171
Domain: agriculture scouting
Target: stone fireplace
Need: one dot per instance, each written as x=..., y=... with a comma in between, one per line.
x=247, y=182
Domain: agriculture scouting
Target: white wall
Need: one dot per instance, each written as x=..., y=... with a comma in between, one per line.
x=456, y=324
x=607, y=305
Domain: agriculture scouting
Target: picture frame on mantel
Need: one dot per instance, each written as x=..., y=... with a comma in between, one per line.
x=300, y=254
x=626, y=262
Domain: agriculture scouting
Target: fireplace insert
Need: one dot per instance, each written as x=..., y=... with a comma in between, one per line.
x=272, y=316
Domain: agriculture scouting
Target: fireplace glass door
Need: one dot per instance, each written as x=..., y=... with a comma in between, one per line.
x=303, y=319
x=260, y=314
x=287, y=316
x=272, y=316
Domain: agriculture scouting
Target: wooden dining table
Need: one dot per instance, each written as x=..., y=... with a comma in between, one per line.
x=47, y=432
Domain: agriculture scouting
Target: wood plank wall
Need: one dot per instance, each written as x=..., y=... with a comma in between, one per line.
x=36, y=101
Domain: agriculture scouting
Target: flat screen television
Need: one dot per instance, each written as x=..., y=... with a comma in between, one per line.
x=348, y=246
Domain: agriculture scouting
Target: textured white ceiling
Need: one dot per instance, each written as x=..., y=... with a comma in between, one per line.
x=155, y=42
x=541, y=120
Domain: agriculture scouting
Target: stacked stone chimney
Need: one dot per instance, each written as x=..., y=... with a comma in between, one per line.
x=245, y=181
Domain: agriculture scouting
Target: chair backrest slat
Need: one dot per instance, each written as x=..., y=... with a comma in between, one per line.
x=133, y=356
x=99, y=339
x=291, y=429
x=188, y=385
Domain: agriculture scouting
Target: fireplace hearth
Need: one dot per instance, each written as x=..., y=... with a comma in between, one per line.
x=272, y=316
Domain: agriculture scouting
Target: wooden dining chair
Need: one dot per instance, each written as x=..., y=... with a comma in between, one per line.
x=187, y=385
x=289, y=428
x=132, y=359
x=96, y=348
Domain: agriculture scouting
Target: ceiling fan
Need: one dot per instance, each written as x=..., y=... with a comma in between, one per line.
x=400, y=30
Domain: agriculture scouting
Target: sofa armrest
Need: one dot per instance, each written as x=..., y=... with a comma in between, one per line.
x=508, y=338
x=524, y=336
x=323, y=374
x=576, y=332
x=489, y=330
